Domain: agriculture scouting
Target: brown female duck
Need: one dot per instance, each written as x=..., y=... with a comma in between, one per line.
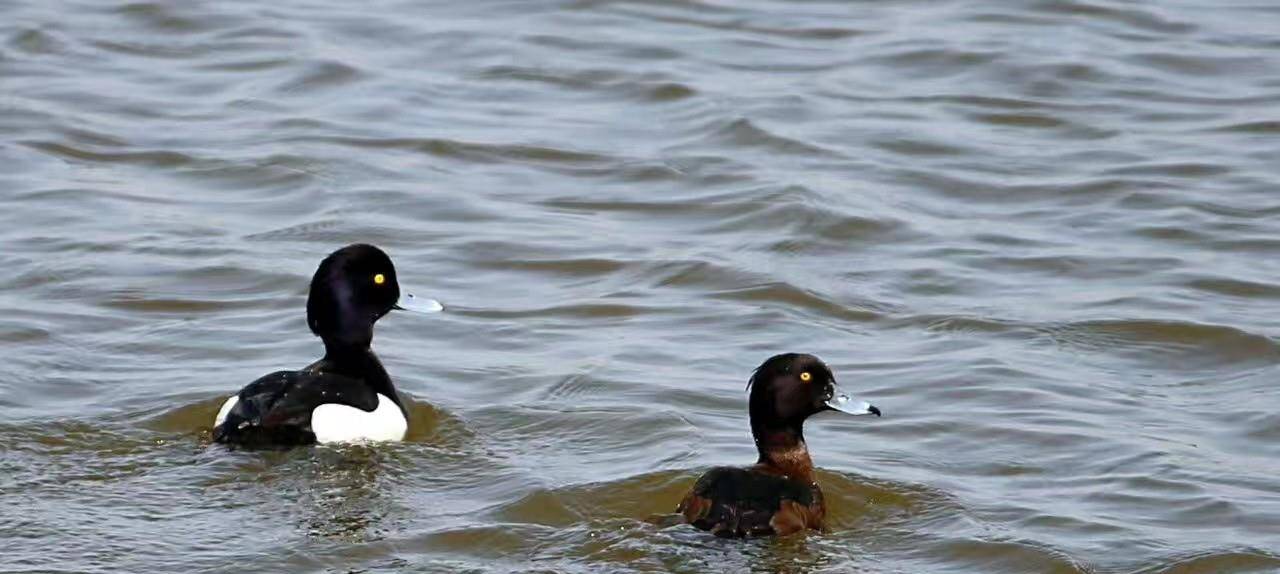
x=780, y=493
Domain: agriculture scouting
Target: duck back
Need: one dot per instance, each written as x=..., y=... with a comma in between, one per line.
x=276, y=410
x=737, y=502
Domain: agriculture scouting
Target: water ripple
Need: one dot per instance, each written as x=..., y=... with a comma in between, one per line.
x=1040, y=236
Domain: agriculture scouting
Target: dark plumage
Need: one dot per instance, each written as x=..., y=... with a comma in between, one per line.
x=779, y=494
x=352, y=288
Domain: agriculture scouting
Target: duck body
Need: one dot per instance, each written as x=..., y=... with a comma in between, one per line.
x=735, y=502
x=318, y=404
x=779, y=495
x=345, y=396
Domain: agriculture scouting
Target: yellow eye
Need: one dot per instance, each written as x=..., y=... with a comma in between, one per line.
x=379, y=279
x=806, y=377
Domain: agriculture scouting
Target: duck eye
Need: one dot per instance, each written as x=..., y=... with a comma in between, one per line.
x=806, y=377
x=379, y=279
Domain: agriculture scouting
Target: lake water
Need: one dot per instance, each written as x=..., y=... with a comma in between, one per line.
x=1042, y=236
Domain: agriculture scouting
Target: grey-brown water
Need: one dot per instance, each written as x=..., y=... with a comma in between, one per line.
x=1041, y=236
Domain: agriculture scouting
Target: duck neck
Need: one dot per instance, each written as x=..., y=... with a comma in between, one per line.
x=782, y=449
x=358, y=362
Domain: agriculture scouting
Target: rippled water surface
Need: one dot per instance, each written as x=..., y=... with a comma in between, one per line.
x=1042, y=236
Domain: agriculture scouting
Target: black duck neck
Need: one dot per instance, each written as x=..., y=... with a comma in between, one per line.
x=357, y=362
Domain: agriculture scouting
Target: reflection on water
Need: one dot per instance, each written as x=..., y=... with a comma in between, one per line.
x=1042, y=236
x=340, y=497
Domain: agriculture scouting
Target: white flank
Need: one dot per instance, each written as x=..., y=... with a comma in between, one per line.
x=226, y=408
x=340, y=423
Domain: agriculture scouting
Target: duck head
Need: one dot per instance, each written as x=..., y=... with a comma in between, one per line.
x=789, y=388
x=353, y=288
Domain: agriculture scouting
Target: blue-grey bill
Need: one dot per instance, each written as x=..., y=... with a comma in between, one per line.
x=411, y=302
x=846, y=404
